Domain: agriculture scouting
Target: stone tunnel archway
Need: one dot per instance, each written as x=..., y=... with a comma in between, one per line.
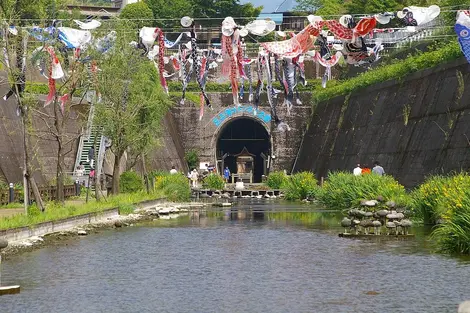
x=239, y=133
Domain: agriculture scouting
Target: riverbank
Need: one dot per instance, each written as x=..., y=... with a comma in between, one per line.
x=146, y=210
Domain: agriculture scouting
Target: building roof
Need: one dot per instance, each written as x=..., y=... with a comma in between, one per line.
x=244, y=153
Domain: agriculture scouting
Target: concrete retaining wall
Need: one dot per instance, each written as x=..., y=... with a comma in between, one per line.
x=57, y=226
x=416, y=126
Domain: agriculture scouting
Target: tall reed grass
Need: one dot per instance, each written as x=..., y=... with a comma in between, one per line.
x=439, y=197
x=300, y=186
x=276, y=179
x=343, y=190
x=175, y=187
x=453, y=236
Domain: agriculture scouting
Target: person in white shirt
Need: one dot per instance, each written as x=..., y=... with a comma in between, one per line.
x=173, y=170
x=357, y=171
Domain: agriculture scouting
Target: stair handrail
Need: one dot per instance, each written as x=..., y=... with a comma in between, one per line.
x=101, y=154
x=78, y=155
x=89, y=124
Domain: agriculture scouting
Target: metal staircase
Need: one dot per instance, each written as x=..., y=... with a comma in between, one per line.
x=85, y=145
x=92, y=136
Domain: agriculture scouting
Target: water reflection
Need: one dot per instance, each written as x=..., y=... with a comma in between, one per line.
x=249, y=258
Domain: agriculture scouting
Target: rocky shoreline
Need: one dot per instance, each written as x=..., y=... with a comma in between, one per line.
x=141, y=213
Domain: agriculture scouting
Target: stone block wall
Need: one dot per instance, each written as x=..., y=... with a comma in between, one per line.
x=202, y=134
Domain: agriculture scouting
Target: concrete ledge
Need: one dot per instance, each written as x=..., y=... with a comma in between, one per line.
x=41, y=229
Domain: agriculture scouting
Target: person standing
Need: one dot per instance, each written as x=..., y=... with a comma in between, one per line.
x=365, y=170
x=173, y=170
x=91, y=156
x=226, y=174
x=80, y=170
x=379, y=170
x=194, y=177
x=358, y=170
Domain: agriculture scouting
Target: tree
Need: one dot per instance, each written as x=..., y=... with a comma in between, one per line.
x=200, y=9
x=372, y=6
x=16, y=12
x=139, y=13
x=132, y=102
x=224, y=8
x=63, y=114
x=175, y=9
x=309, y=5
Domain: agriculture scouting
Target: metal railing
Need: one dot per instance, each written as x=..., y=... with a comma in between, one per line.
x=47, y=193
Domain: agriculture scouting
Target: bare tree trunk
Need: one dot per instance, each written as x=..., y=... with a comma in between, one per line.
x=144, y=170
x=60, y=174
x=27, y=173
x=58, y=123
x=116, y=173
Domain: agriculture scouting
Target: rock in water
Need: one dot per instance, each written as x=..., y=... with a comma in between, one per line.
x=3, y=244
x=117, y=224
x=82, y=232
x=370, y=203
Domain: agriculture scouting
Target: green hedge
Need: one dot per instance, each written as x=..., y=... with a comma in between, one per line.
x=176, y=87
x=401, y=69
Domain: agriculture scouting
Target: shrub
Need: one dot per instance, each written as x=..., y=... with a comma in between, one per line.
x=300, y=186
x=191, y=157
x=343, y=190
x=19, y=192
x=439, y=197
x=175, y=187
x=131, y=182
x=214, y=181
x=276, y=179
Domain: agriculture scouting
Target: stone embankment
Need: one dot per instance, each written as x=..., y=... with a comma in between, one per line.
x=51, y=233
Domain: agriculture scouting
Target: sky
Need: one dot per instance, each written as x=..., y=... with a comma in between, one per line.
x=270, y=6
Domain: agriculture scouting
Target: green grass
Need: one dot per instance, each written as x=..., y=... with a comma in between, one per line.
x=55, y=211
x=13, y=205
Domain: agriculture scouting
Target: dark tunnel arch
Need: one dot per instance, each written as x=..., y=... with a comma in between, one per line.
x=240, y=133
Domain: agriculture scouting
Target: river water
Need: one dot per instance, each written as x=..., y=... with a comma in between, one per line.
x=253, y=258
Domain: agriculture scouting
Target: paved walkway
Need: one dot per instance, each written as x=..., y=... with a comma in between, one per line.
x=10, y=212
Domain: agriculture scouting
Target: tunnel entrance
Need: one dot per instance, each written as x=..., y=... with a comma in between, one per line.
x=241, y=139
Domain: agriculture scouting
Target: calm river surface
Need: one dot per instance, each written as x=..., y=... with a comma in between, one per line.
x=236, y=261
